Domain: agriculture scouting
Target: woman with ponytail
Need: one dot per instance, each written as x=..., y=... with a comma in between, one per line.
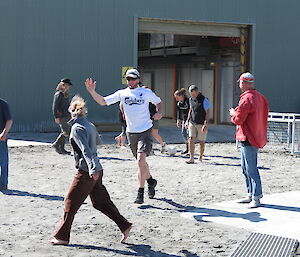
x=182, y=107
x=88, y=179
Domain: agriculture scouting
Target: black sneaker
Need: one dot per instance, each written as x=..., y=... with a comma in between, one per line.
x=151, y=188
x=140, y=197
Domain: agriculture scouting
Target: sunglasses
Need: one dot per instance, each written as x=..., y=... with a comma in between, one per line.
x=129, y=79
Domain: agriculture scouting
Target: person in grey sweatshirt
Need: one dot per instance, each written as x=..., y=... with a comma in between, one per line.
x=88, y=179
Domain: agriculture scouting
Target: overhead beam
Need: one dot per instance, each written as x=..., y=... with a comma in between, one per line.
x=188, y=28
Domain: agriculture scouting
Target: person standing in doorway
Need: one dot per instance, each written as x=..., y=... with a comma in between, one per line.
x=135, y=101
x=88, y=180
x=6, y=122
x=251, y=118
x=197, y=121
x=182, y=107
x=155, y=128
x=61, y=115
x=121, y=138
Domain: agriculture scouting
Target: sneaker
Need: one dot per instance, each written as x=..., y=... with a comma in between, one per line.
x=254, y=204
x=151, y=188
x=186, y=151
x=163, y=148
x=151, y=153
x=140, y=197
x=246, y=200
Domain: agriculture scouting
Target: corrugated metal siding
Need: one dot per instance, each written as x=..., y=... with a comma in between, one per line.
x=42, y=41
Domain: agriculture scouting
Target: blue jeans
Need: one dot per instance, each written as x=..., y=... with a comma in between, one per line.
x=184, y=132
x=250, y=171
x=3, y=165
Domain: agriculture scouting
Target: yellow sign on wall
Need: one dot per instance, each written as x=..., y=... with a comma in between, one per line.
x=124, y=69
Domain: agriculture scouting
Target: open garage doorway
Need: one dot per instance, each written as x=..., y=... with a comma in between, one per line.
x=176, y=54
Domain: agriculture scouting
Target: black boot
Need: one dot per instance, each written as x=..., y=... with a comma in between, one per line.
x=151, y=187
x=57, y=148
x=63, y=150
x=140, y=196
x=186, y=149
x=62, y=142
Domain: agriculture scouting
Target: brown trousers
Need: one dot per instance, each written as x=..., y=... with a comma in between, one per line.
x=82, y=187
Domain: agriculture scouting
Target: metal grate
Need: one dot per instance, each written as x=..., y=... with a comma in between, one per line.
x=263, y=245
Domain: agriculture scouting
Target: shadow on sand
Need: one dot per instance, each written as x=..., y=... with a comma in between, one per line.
x=201, y=212
x=133, y=250
x=24, y=193
x=114, y=158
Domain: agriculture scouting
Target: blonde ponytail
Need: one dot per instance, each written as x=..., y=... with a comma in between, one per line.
x=77, y=106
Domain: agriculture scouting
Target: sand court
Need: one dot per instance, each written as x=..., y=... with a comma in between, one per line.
x=39, y=178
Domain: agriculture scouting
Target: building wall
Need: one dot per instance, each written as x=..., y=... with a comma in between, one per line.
x=43, y=41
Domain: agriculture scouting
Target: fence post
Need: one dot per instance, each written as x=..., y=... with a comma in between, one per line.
x=293, y=135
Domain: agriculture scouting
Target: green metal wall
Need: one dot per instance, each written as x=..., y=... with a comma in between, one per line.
x=43, y=41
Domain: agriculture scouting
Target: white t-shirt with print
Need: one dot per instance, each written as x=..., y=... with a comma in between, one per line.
x=136, y=107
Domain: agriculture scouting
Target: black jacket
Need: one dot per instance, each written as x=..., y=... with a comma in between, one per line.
x=183, y=109
x=60, y=105
x=198, y=112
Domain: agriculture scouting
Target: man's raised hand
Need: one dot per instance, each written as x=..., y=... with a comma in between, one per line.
x=90, y=85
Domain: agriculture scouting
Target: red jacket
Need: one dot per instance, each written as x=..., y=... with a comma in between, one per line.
x=251, y=118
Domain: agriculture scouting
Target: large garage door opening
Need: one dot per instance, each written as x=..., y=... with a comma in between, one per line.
x=177, y=54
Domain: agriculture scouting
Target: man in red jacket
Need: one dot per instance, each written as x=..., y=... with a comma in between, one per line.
x=251, y=118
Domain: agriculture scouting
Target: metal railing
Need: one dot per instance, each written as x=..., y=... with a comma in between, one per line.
x=284, y=129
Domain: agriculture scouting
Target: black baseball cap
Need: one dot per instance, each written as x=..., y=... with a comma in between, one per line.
x=66, y=80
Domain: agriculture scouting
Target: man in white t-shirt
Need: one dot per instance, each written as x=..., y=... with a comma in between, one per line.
x=135, y=101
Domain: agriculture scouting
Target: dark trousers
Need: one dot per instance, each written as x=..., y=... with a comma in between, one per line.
x=82, y=187
x=65, y=129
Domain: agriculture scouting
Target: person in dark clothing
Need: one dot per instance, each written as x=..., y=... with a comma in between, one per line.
x=197, y=121
x=88, y=180
x=121, y=139
x=182, y=107
x=62, y=116
x=5, y=125
x=153, y=110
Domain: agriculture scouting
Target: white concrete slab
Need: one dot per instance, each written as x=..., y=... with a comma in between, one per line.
x=14, y=143
x=279, y=215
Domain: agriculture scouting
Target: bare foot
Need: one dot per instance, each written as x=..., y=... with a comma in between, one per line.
x=200, y=159
x=118, y=139
x=55, y=241
x=125, y=234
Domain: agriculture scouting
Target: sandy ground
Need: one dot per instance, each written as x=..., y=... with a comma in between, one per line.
x=39, y=178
